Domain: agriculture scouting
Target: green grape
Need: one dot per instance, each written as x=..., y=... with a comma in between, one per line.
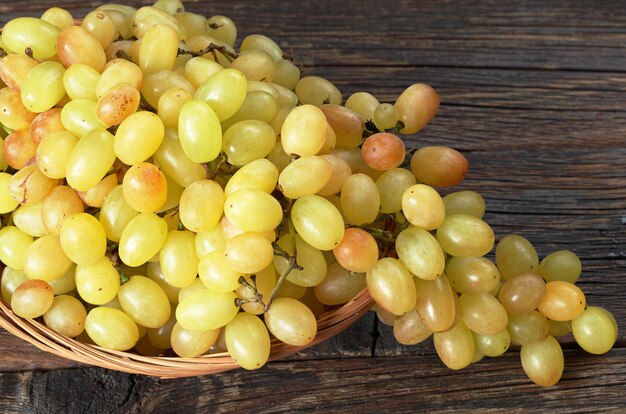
x=170, y=6
x=527, y=327
x=436, y=303
x=563, y=301
x=303, y=131
x=279, y=119
x=482, y=313
x=53, y=153
x=11, y=279
x=595, y=330
x=116, y=213
x=253, y=210
x=121, y=16
x=32, y=298
x=419, y=251
x=155, y=273
x=258, y=105
x=189, y=343
x=145, y=187
x=13, y=246
x=43, y=87
x=358, y=251
x=464, y=202
x=246, y=141
x=391, y=286
x=142, y=238
x=111, y=328
x=192, y=23
x=205, y=310
x=516, y=255
x=95, y=196
x=101, y=26
x=391, y=187
x=90, y=160
x=286, y=97
x=138, y=137
x=455, y=346
x=279, y=157
x=170, y=104
x=144, y=301
x=522, y=293
x=264, y=43
x=83, y=239
x=224, y=92
x=287, y=75
x=291, y=321
x=409, y=329
x=542, y=361
x=318, y=221
x=66, y=283
x=439, y=166
x=248, y=253
x=160, y=337
x=76, y=45
x=66, y=316
x=472, y=274
x=256, y=65
x=59, y=204
x=248, y=341
x=314, y=267
x=360, y=200
x=29, y=185
x=14, y=68
x=561, y=265
x=493, y=345
x=559, y=328
x=31, y=36
x=423, y=207
x=199, y=131
x=79, y=82
x=18, y=149
x=158, y=49
x=118, y=104
x=157, y=83
x=339, y=286
x=462, y=235
x=59, y=17
x=173, y=161
x=7, y=202
x=416, y=106
x=44, y=259
x=178, y=258
x=362, y=103
x=13, y=114
x=348, y=125
x=149, y=16
x=259, y=174
x=222, y=28
x=118, y=71
x=201, y=205
x=385, y=116
x=216, y=273
x=305, y=176
x=315, y=90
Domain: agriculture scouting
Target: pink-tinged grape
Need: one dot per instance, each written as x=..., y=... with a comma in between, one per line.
x=144, y=301
x=416, y=106
x=543, y=361
x=391, y=186
x=111, y=328
x=436, y=303
x=216, y=273
x=97, y=283
x=178, y=258
x=61, y=203
x=118, y=71
x=339, y=286
x=205, y=310
x=455, y=346
x=83, y=239
x=7, y=202
x=10, y=280
x=315, y=90
x=119, y=103
x=522, y=293
x=116, y=213
x=14, y=68
x=101, y=26
x=201, y=205
x=563, y=301
x=199, y=131
x=248, y=253
x=391, y=286
x=516, y=255
x=318, y=221
x=312, y=261
x=259, y=174
x=31, y=36
x=43, y=87
x=493, y=345
x=358, y=251
x=347, y=125
x=305, y=176
x=360, y=200
x=291, y=321
x=28, y=219
x=145, y=187
x=95, y=196
x=383, y=151
x=561, y=265
x=423, y=207
x=158, y=50
x=13, y=114
x=419, y=251
x=80, y=80
x=149, y=16
x=45, y=259
x=76, y=45
x=409, y=329
x=303, y=131
x=595, y=330
x=253, y=210
x=472, y=274
x=66, y=316
x=191, y=343
x=224, y=92
x=340, y=173
x=90, y=160
x=248, y=341
x=79, y=117
x=13, y=246
x=462, y=235
x=29, y=185
x=439, y=166
x=45, y=124
x=18, y=149
x=142, y=238
x=32, y=298
x=483, y=313
x=53, y=153
x=248, y=140
x=465, y=202
x=527, y=327
x=138, y=137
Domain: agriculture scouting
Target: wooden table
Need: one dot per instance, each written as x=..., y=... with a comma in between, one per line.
x=533, y=93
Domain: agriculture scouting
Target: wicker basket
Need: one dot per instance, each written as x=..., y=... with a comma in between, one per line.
x=36, y=333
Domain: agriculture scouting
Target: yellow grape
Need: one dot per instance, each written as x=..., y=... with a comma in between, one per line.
x=66, y=316
x=188, y=290
x=465, y=202
x=253, y=210
x=417, y=105
x=66, y=283
x=199, y=131
x=45, y=259
x=455, y=346
x=59, y=17
x=119, y=103
x=222, y=28
x=483, y=313
x=32, y=298
x=94, y=197
x=260, y=174
x=360, y=199
x=248, y=341
x=312, y=260
x=191, y=343
x=287, y=75
x=170, y=104
x=201, y=205
x=14, y=68
x=436, y=303
x=97, y=283
x=304, y=131
x=178, y=258
x=515, y=255
x=362, y=103
x=348, y=125
x=462, y=235
x=291, y=290
x=209, y=241
x=138, y=137
x=291, y=321
x=472, y=274
x=10, y=280
x=111, y=328
x=157, y=83
x=248, y=140
x=409, y=329
x=249, y=252
x=493, y=345
x=144, y=301
x=258, y=105
x=279, y=119
x=340, y=172
x=158, y=50
x=79, y=117
x=76, y=45
x=53, y=153
x=13, y=246
x=423, y=207
x=149, y=16
x=101, y=26
x=391, y=286
x=316, y=91
x=83, y=239
x=28, y=219
x=31, y=36
x=265, y=281
x=198, y=70
x=205, y=310
x=318, y=221
x=43, y=87
x=385, y=116
x=224, y=92
x=142, y=238
x=145, y=187
x=261, y=42
x=391, y=186
x=560, y=265
x=528, y=327
x=439, y=166
x=118, y=71
x=420, y=252
x=216, y=273
x=543, y=361
x=256, y=65
x=29, y=185
x=90, y=160
x=595, y=330
x=305, y=176
x=154, y=272
x=278, y=157
x=173, y=161
x=80, y=80
x=339, y=286
x=116, y=213
x=7, y=202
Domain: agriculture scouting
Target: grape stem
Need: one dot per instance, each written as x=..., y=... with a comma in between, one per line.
x=291, y=265
x=257, y=298
x=213, y=49
x=380, y=234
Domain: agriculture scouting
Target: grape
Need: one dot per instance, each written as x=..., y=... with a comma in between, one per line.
x=118, y=71
x=14, y=68
x=18, y=149
x=142, y=238
x=193, y=24
x=515, y=255
x=362, y=103
x=419, y=251
x=391, y=286
x=191, y=343
x=265, y=281
x=199, y=131
x=100, y=25
x=287, y=75
x=248, y=252
x=315, y=90
x=138, y=137
x=61, y=203
x=248, y=140
x=291, y=321
x=53, y=153
x=527, y=328
x=116, y=213
x=383, y=151
x=216, y=273
x=155, y=273
x=559, y=328
x=59, y=17
x=157, y=83
x=360, y=200
x=305, y=176
x=358, y=251
x=79, y=117
x=160, y=337
x=248, y=341
x=347, y=125
x=28, y=219
x=563, y=301
x=66, y=316
x=178, y=258
x=439, y=166
x=206, y=310
x=118, y=104
x=201, y=205
x=259, y=174
x=11, y=279
x=149, y=16
x=436, y=303
x=95, y=196
x=291, y=290
x=462, y=235
x=7, y=202
x=391, y=186
x=144, y=301
x=560, y=265
x=314, y=267
x=83, y=239
x=46, y=123
x=224, y=92
x=522, y=293
x=13, y=114
x=90, y=159
x=256, y=65
x=409, y=329
x=543, y=361
x=595, y=330
x=423, y=207
x=472, y=274
x=158, y=49
x=76, y=45
x=121, y=16
x=145, y=187
x=493, y=345
x=32, y=298
x=31, y=36
x=80, y=80
x=173, y=161
x=464, y=202
x=209, y=241
x=66, y=283
x=304, y=131
x=340, y=172
x=455, y=346
x=222, y=28
x=482, y=313
x=13, y=246
x=416, y=106
x=318, y=221
x=111, y=328
x=339, y=286
x=44, y=259
x=385, y=116
x=43, y=87
x=29, y=185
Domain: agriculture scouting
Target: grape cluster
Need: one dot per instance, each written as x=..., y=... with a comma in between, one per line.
x=163, y=191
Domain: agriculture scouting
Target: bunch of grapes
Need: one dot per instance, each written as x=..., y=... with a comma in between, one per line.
x=165, y=192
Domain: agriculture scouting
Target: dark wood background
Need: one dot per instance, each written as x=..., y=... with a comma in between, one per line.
x=533, y=93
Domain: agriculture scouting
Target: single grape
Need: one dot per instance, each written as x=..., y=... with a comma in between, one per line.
x=248, y=341
x=291, y=321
